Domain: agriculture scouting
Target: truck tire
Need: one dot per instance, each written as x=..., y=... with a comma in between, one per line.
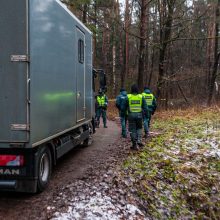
x=44, y=168
x=89, y=140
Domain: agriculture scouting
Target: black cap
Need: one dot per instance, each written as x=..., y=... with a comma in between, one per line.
x=122, y=90
x=134, y=89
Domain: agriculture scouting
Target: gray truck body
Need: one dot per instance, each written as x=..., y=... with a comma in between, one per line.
x=46, y=91
x=45, y=74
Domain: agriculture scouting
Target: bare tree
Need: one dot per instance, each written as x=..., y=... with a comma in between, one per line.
x=142, y=48
x=166, y=10
x=127, y=21
x=216, y=57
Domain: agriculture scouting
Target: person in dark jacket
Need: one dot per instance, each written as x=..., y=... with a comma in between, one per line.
x=102, y=103
x=136, y=106
x=152, y=105
x=120, y=104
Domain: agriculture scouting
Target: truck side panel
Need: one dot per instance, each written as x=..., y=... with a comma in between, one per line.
x=53, y=51
x=13, y=71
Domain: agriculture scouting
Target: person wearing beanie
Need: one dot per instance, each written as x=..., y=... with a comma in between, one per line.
x=120, y=104
x=152, y=105
x=102, y=103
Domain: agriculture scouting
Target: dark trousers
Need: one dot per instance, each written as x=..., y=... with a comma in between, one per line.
x=135, y=127
x=147, y=122
x=123, y=120
x=101, y=113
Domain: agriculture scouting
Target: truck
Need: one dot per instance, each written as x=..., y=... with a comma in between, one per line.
x=46, y=90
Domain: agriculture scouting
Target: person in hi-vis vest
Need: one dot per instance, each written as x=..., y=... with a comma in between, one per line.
x=120, y=103
x=102, y=103
x=152, y=105
x=136, y=106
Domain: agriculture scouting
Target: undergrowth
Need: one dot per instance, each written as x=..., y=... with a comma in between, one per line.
x=177, y=174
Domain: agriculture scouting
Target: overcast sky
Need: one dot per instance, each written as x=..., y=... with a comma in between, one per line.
x=122, y=2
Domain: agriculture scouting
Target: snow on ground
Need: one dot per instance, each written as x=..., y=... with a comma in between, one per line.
x=101, y=207
x=206, y=146
x=100, y=196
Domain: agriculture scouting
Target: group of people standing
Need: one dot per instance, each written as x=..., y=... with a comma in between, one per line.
x=136, y=108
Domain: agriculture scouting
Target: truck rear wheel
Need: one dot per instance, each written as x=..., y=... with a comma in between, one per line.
x=44, y=168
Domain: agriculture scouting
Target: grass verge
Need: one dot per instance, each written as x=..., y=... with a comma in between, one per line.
x=177, y=174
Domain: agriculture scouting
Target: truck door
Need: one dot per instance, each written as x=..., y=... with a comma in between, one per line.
x=80, y=74
x=13, y=71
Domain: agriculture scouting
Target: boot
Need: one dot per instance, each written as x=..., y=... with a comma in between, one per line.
x=134, y=146
x=141, y=145
x=124, y=135
x=146, y=135
x=97, y=125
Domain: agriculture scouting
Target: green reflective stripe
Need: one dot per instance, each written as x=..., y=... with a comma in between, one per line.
x=135, y=102
x=149, y=98
x=58, y=96
x=101, y=100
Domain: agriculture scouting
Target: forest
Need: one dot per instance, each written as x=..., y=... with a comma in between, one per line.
x=170, y=46
x=69, y=151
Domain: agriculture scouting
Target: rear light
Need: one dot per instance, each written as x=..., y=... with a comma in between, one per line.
x=11, y=160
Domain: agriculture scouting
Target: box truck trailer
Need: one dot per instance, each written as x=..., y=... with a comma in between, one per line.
x=46, y=90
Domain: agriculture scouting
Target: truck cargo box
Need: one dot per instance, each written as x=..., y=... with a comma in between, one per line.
x=46, y=94
x=45, y=70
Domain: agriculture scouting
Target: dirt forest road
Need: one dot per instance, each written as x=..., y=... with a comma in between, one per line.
x=70, y=168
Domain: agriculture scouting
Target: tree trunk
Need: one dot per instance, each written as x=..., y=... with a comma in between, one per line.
x=166, y=9
x=216, y=58
x=127, y=25
x=122, y=61
x=95, y=35
x=142, y=51
x=84, y=18
x=114, y=50
x=151, y=68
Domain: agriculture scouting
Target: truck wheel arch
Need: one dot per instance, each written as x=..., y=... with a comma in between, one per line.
x=52, y=149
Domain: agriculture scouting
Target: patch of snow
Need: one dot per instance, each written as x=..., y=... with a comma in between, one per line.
x=207, y=147
x=99, y=207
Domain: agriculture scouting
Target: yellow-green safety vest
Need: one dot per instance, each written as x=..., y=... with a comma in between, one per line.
x=101, y=100
x=135, y=103
x=149, y=98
